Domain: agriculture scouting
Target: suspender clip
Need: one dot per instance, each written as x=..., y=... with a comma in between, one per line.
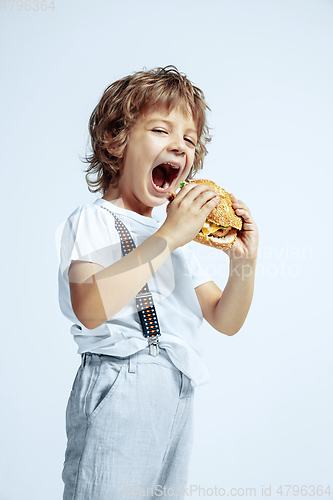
x=153, y=347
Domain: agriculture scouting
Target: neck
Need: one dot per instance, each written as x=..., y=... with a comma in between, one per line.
x=113, y=195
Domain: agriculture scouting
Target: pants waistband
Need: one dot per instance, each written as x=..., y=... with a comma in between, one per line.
x=142, y=356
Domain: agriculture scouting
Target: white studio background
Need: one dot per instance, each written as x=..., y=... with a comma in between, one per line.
x=265, y=66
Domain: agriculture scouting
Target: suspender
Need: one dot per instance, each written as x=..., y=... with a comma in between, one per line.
x=144, y=299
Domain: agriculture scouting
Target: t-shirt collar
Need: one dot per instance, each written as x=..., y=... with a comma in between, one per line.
x=147, y=221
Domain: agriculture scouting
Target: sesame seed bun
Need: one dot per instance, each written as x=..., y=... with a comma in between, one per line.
x=223, y=215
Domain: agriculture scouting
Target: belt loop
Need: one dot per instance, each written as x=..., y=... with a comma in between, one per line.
x=181, y=385
x=84, y=355
x=185, y=387
x=132, y=363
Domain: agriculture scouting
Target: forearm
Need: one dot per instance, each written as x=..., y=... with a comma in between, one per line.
x=97, y=298
x=234, y=304
x=106, y=292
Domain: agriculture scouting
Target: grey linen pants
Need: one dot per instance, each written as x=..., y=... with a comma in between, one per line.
x=129, y=425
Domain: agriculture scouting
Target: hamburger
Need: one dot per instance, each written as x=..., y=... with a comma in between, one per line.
x=220, y=228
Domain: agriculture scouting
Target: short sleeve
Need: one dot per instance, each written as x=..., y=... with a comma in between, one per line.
x=88, y=236
x=198, y=274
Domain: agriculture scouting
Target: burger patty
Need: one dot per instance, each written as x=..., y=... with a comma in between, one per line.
x=221, y=232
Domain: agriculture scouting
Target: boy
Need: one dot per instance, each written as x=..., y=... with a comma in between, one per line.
x=129, y=416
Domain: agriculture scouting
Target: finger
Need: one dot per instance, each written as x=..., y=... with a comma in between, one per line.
x=180, y=195
x=240, y=205
x=184, y=191
x=208, y=200
x=193, y=191
x=198, y=200
x=245, y=215
x=210, y=204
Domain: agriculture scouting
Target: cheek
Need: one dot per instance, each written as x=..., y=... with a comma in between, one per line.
x=190, y=161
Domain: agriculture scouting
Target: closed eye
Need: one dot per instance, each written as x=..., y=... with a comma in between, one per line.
x=159, y=130
x=190, y=141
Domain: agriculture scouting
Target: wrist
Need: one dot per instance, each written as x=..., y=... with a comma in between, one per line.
x=166, y=235
x=247, y=257
x=252, y=261
x=242, y=268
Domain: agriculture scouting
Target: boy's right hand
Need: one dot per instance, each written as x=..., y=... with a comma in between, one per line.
x=187, y=214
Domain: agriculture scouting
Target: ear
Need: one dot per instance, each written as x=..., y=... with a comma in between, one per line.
x=112, y=153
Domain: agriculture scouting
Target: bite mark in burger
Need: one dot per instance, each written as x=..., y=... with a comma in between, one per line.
x=220, y=228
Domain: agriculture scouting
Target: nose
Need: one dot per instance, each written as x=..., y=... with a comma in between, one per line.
x=177, y=145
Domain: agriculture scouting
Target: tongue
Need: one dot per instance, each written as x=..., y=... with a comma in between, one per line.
x=159, y=177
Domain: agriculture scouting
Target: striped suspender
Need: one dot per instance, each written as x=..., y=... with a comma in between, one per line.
x=144, y=299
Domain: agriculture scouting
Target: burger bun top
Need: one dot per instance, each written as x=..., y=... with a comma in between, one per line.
x=223, y=214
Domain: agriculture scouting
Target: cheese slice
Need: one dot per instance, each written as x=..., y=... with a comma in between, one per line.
x=209, y=228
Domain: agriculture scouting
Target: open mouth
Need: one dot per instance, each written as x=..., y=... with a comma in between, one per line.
x=164, y=176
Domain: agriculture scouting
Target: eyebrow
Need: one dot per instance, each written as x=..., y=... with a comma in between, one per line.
x=168, y=122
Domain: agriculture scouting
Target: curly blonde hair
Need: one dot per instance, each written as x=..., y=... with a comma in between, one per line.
x=121, y=105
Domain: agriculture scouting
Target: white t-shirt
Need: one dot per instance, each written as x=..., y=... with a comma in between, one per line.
x=89, y=234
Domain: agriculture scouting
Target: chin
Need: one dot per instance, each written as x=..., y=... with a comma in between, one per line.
x=157, y=199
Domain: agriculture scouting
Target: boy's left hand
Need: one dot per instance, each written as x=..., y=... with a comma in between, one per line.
x=246, y=244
